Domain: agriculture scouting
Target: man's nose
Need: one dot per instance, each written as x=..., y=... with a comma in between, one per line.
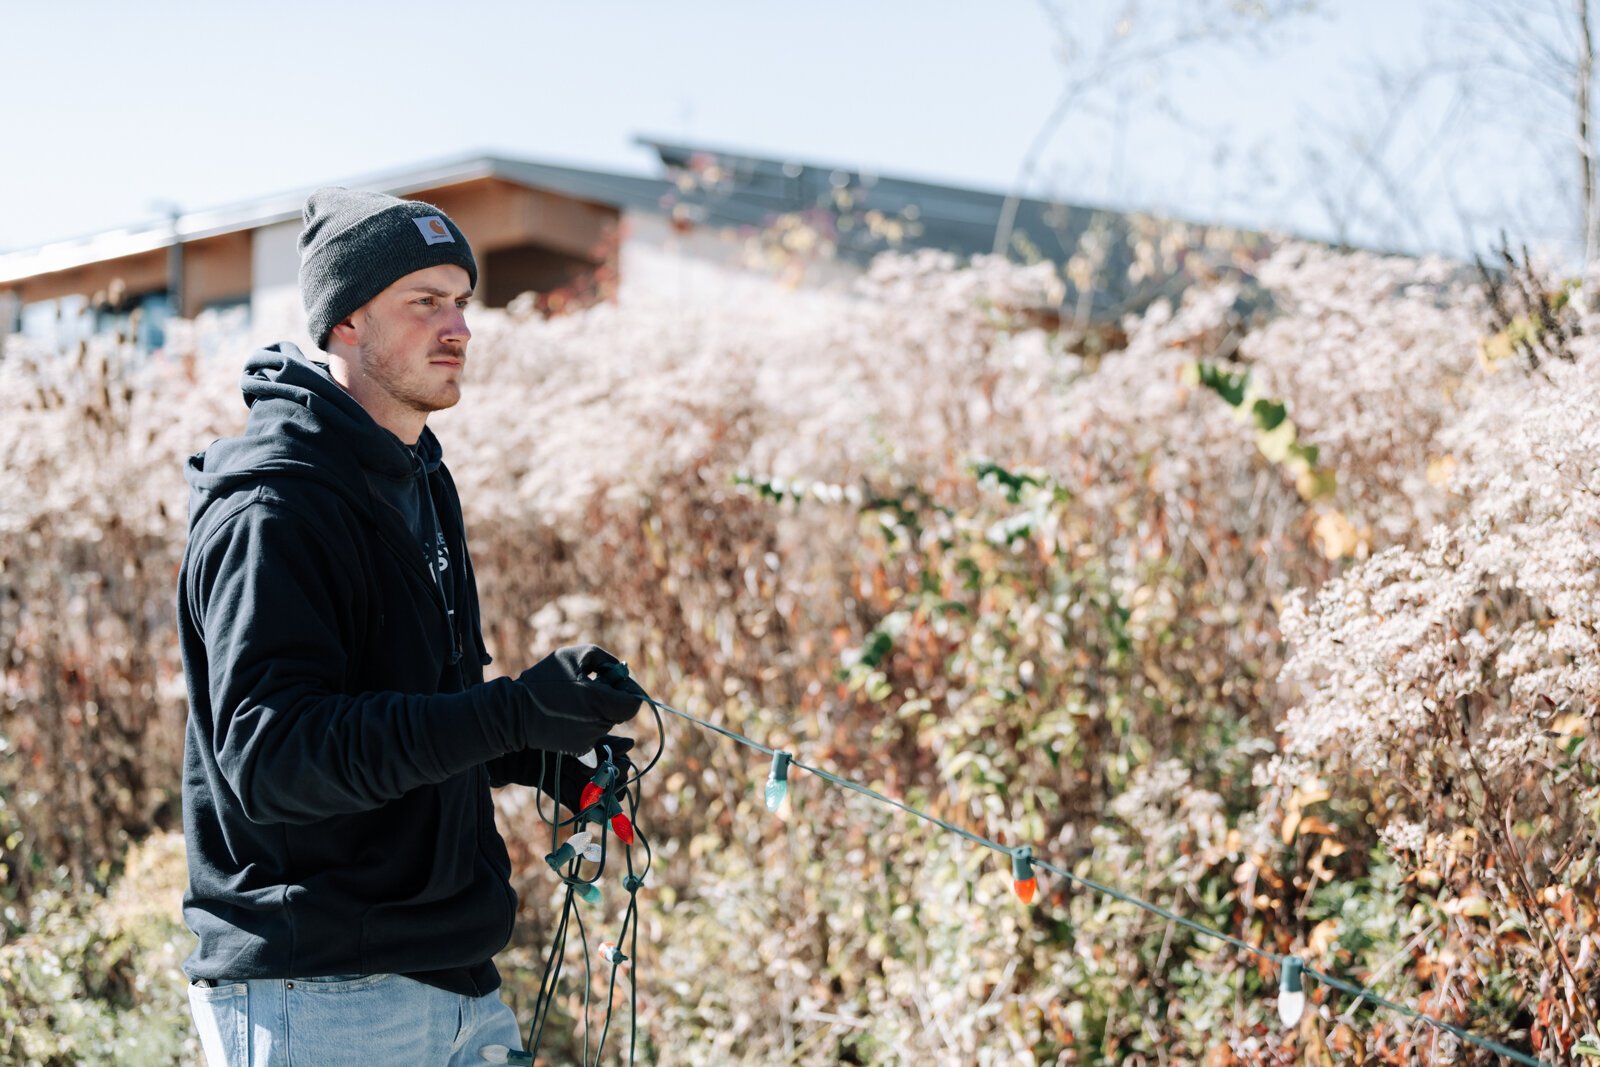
x=455, y=330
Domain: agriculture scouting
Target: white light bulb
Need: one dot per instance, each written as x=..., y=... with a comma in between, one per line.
x=1291, y=990
x=494, y=1053
x=580, y=840
x=591, y=852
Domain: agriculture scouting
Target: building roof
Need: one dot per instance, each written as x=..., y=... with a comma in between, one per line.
x=1134, y=258
x=596, y=186
x=751, y=190
x=864, y=212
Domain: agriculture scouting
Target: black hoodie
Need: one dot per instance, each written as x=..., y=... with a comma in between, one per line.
x=340, y=741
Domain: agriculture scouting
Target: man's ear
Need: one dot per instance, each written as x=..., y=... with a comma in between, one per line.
x=345, y=332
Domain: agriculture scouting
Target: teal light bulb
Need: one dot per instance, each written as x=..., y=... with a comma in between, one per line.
x=589, y=891
x=778, y=781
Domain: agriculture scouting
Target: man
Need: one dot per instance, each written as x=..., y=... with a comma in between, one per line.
x=346, y=880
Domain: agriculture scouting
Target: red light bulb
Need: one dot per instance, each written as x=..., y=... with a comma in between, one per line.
x=590, y=797
x=623, y=828
x=1022, y=879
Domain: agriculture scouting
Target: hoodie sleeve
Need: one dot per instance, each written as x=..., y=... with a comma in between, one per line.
x=269, y=591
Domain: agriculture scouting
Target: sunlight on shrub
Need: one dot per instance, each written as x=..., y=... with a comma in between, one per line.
x=1329, y=690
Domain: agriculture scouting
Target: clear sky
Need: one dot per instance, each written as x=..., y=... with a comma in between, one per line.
x=113, y=110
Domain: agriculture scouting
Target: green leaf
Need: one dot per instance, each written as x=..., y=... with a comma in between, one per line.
x=1013, y=482
x=1231, y=387
x=877, y=647
x=1269, y=413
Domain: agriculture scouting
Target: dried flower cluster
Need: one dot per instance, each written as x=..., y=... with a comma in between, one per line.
x=911, y=535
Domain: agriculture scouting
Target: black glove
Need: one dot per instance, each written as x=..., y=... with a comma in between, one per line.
x=572, y=709
x=567, y=785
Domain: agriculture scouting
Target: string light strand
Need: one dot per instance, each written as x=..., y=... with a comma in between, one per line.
x=1278, y=959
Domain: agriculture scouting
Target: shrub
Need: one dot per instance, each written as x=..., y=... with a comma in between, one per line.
x=1195, y=617
x=96, y=979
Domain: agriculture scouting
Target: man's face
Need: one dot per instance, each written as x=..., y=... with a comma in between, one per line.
x=411, y=342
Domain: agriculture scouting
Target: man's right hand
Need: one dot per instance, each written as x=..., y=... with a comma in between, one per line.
x=564, y=779
x=573, y=709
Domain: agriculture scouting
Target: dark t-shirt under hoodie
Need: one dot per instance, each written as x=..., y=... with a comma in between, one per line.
x=341, y=741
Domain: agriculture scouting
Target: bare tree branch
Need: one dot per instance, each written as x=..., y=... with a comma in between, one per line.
x=1126, y=48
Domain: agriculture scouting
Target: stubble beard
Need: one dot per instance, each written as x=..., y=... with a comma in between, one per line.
x=409, y=389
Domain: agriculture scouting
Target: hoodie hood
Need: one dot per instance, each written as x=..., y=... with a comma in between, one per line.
x=292, y=400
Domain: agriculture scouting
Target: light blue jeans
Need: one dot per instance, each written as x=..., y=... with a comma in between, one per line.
x=346, y=1019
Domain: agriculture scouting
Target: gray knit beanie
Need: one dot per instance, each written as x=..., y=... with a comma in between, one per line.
x=356, y=244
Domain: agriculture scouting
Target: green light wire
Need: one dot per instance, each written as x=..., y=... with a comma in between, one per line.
x=550, y=982
x=1155, y=909
x=1470, y=1038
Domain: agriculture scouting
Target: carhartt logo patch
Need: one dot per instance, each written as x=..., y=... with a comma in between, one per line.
x=433, y=229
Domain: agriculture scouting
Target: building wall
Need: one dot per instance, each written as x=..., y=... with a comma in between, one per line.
x=275, y=256
x=276, y=313
x=10, y=315
x=143, y=272
x=527, y=239
x=496, y=214
x=216, y=270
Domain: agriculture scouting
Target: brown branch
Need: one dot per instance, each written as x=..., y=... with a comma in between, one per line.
x=1585, y=79
x=1518, y=868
